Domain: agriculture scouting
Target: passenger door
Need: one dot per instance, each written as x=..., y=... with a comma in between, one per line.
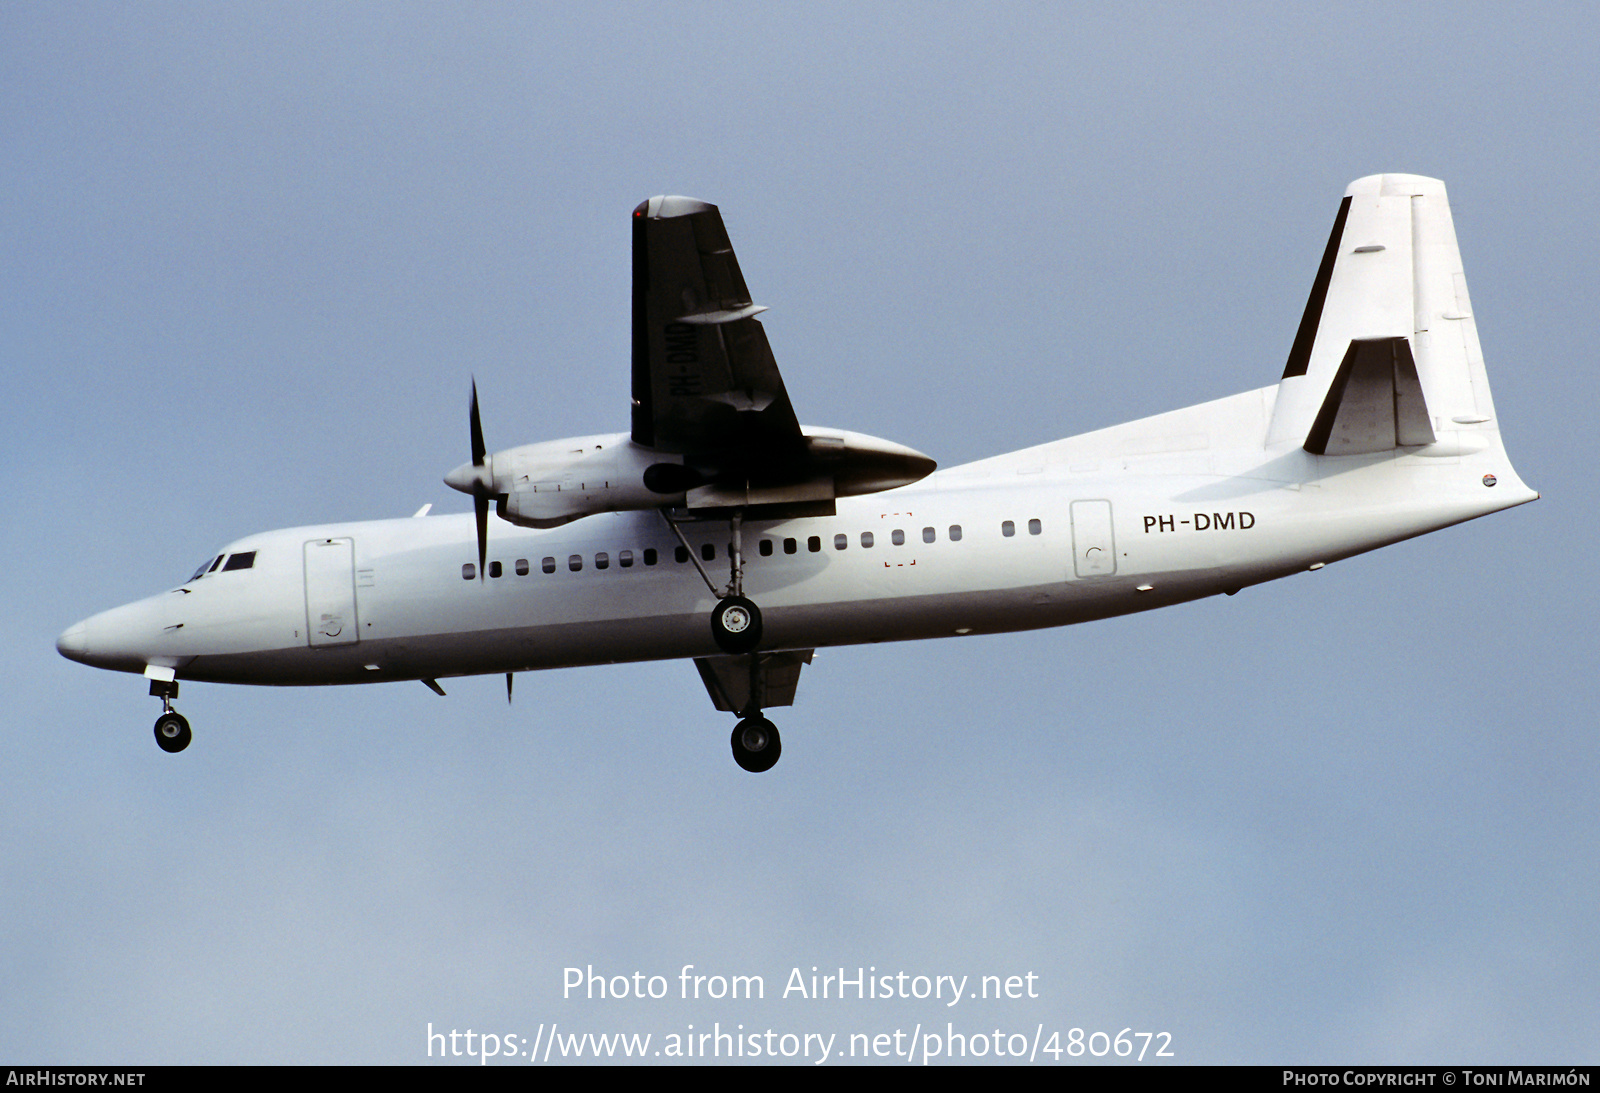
x=330, y=592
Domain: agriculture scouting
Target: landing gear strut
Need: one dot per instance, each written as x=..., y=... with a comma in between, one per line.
x=735, y=621
x=172, y=728
x=756, y=744
x=755, y=741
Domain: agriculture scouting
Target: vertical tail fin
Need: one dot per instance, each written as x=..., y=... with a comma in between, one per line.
x=1387, y=347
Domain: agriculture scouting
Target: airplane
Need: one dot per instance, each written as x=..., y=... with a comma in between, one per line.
x=613, y=548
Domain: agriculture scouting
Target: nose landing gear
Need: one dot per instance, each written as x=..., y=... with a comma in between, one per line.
x=172, y=732
x=172, y=728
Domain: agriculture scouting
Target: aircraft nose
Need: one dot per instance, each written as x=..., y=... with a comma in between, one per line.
x=74, y=642
x=123, y=639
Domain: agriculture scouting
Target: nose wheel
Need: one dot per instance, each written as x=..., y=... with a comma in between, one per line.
x=172, y=728
x=172, y=732
x=756, y=744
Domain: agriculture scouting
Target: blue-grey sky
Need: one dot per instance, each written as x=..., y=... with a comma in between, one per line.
x=250, y=256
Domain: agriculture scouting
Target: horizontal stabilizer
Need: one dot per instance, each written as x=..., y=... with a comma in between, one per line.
x=772, y=677
x=1374, y=404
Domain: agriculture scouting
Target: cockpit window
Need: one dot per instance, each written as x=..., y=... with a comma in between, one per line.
x=242, y=560
x=205, y=567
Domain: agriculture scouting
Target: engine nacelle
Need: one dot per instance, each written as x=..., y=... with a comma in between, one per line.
x=555, y=482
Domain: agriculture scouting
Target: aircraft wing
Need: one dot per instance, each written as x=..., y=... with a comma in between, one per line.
x=704, y=381
x=772, y=676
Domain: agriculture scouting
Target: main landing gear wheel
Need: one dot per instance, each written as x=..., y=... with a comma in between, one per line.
x=172, y=732
x=736, y=625
x=756, y=745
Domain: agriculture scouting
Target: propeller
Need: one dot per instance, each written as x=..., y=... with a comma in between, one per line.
x=476, y=478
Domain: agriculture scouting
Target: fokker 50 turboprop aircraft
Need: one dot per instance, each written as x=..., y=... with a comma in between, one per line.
x=615, y=548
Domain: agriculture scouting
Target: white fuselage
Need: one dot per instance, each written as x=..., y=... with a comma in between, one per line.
x=1126, y=519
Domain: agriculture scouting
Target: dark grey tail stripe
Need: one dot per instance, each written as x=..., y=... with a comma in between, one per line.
x=1300, y=353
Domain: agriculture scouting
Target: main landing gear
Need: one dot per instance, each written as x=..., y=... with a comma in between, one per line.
x=756, y=744
x=735, y=621
x=736, y=625
x=755, y=740
x=172, y=728
x=736, y=628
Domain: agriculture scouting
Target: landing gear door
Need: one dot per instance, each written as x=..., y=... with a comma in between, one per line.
x=330, y=592
x=1094, y=552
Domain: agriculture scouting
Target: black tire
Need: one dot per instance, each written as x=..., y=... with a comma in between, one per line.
x=736, y=625
x=756, y=744
x=172, y=732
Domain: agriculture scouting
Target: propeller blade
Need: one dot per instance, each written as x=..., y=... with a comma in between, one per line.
x=480, y=509
x=508, y=688
x=478, y=448
x=480, y=493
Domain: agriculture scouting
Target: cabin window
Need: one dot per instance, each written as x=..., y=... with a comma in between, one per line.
x=790, y=546
x=1034, y=527
x=468, y=571
x=841, y=541
x=1008, y=528
x=649, y=555
x=866, y=538
x=766, y=548
x=548, y=565
x=929, y=535
x=955, y=533
x=602, y=560
x=522, y=567
x=494, y=569
x=681, y=553
x=575, y=563
x=814, y=543
x=242, y=560
x=625, y=558
x=708, y=551
x=897, y=537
